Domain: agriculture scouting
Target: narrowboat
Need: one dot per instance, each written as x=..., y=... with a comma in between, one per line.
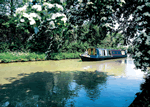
x=97, y=54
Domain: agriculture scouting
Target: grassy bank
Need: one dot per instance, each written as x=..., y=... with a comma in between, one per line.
x=7, y=57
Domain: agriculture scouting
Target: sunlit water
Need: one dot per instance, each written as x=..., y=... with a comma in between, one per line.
x=69, y=83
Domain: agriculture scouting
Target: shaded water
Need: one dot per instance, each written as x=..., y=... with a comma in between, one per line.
x=69, y=83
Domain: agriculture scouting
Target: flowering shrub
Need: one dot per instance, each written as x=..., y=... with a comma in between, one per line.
x=35, y=15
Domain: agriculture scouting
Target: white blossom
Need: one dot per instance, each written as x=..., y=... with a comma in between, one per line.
x=80, y=1
x=32, y=21
x=49, y=5
x=59, y=6
x=37, y=7
x=34, y=15
x=26, y=15
x=64, y=19
x=22, y=20
x=52, y=24
x=55, y=15
x=123, y=1
x=61, y=1
x=21, y=9
x=89, y=3
x=48, y=19
x=30, y=17
x=30, y=0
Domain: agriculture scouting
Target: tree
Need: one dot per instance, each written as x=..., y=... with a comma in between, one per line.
x=98, y=15
x=45, y=21
x=135, y=25
x=113, y=40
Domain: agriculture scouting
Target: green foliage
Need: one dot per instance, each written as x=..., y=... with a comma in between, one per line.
x=91, y=33
x=97, y=11
x=4, y=47
x=74, y=47
x=142, y=41
x=129, y=26
x=113, y=40
x=130, y=49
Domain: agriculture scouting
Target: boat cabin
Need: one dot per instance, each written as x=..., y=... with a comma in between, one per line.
x=104, y=52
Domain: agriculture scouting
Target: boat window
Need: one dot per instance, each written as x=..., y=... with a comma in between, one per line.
x=104, y=52
x=109, y=52
x=92, y=51
x=100, y=52
x=89, y=51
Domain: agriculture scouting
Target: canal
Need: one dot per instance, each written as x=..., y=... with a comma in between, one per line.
x=69, y=83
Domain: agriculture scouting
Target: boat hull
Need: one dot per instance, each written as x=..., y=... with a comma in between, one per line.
x=84, y=58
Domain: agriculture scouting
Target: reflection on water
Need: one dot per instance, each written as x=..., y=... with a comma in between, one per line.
x=69, y=83
x=48, y=89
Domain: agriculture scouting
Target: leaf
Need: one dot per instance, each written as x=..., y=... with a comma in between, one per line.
x=138, y=19
x=148, y=52
x=104, y=18
x=147, y=4
x=146, y=14
x=140, y=7
x=148, y=40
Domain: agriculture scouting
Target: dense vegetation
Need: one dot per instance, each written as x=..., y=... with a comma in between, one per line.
x=59, y=26
x=37, y=26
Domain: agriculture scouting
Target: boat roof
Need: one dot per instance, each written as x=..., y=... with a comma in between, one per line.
x=110, y=49
x=107, y=49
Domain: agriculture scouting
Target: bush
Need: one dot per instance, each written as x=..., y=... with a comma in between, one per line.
x=4, y=47
x=74, y=47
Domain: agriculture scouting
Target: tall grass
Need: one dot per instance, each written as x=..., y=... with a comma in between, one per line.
x=20, y=56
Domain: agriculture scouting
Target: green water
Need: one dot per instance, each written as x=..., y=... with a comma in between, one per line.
x=69, y=83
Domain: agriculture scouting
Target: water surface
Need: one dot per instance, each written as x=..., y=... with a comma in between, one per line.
x=69, y=83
